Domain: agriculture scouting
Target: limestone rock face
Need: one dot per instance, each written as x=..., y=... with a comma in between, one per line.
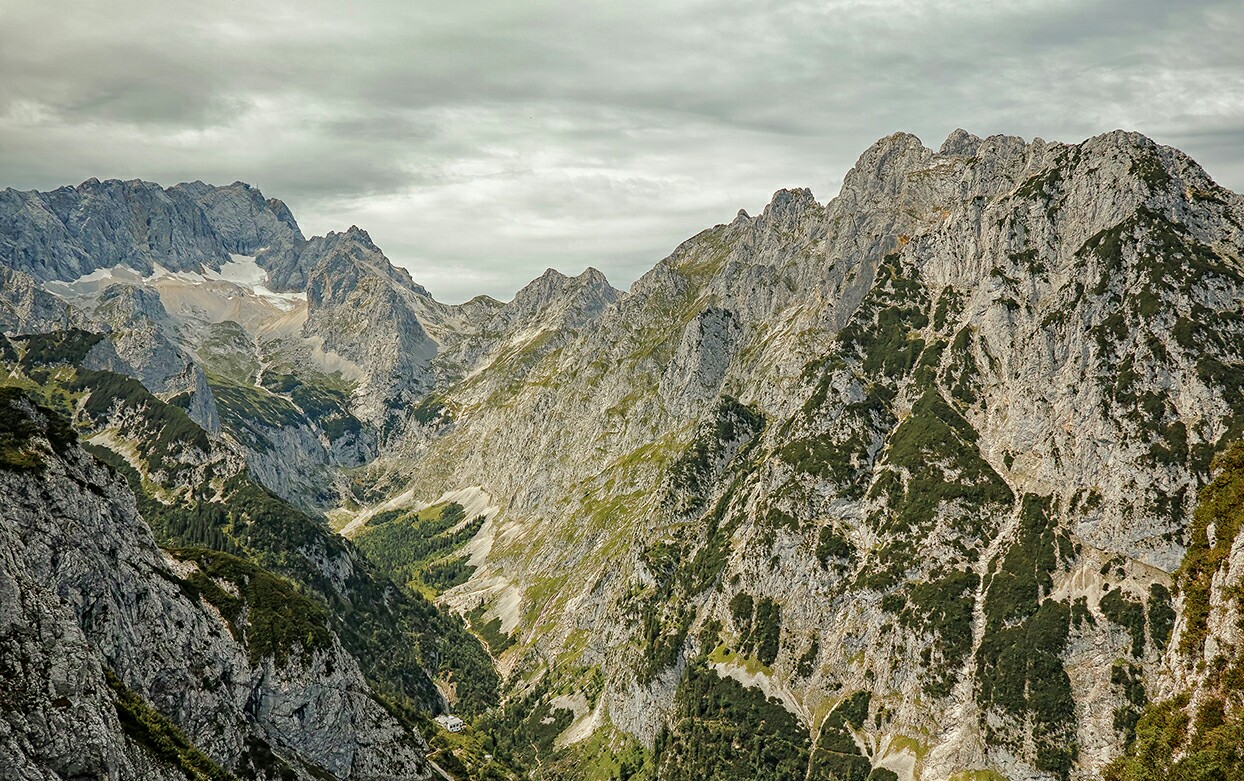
x=934, y=443
x=698, y=367
x=72, y=231
x=249, y=224
x=87, y=592
x=553, y=299
x=546, y=314
x=363, y=308
x=26, y=308
x=992, y=377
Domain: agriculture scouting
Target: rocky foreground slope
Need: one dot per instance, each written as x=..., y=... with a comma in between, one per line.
x=120, y=660
x=897, y=486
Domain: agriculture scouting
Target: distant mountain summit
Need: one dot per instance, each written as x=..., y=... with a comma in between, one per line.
x=70, y=232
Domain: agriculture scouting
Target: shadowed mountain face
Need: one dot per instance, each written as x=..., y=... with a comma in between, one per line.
x=72, y=231
x=895, y=486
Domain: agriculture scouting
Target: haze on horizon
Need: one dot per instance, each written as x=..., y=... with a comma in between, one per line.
x=482, y=143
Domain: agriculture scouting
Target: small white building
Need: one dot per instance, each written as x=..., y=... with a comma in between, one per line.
x=451, y=723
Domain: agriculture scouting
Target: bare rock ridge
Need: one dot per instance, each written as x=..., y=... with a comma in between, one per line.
x=901, y=483
x=72, y=231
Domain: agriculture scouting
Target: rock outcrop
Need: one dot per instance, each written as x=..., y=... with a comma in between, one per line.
x=145, y=339
x=26, y=308
x=111, y=649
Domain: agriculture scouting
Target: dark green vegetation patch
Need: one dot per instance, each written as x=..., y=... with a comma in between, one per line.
x=837, y=756
x=169, y=438
x=417, y=548
x=1128, y=613
x=269, y=614
x=759, y=624
x=59, y=348
x=1018, y=662
x=723, y=730
x=22, y=420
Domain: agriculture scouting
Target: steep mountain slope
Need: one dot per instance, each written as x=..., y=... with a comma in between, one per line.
x=122, y=661
x=1195, y=729
x=977, y=393
x=542, y=317
x=27, y=308
x=364, y=309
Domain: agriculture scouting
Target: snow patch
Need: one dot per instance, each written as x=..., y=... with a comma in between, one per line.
x=95, y=276
x=243, y=271
x=93, y=282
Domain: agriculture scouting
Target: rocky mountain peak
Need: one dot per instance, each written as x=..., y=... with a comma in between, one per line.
x=339, y=261
x=551, y=276
x=959, y=142
x=283, y=213
x=586, y=295
x=883, y=166
x=789, y=201
x=358, y=234
x=368, y=311
x=594, y=277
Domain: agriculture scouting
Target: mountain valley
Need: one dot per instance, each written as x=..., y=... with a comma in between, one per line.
x=941, y=480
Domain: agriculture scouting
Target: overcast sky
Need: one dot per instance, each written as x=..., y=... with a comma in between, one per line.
x=481, y=141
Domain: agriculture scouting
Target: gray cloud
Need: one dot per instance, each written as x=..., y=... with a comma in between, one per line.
x=482, y=142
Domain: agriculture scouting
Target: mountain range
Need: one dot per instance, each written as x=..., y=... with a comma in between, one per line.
x=937, y=480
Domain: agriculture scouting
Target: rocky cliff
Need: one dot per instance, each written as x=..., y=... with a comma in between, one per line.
x=976, y=393
x=1195, y=724
x=120, y=660
x=70, y=232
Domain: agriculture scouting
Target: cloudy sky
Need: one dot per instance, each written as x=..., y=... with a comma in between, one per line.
x=482, y=141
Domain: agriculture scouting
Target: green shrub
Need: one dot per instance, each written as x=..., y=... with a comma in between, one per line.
x=832, y=545
x=723, y=730
x=1161, y=615
x=807, y=662
x=1127, y=613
